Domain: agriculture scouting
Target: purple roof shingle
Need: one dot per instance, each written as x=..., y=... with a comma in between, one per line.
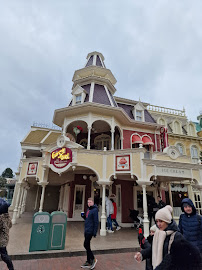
x=100, y=95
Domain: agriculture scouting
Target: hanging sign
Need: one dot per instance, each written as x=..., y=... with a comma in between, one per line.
x=61, y=157
x=123, y=163
x=32, y=168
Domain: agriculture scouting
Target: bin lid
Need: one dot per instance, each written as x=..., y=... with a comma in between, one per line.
x=58, y=217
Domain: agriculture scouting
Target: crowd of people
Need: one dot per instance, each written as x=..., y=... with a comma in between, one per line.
x=171, y=246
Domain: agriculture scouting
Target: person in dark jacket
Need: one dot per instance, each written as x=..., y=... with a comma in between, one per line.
x=183, y=256
x=166, y=234
x=161, y=203
x=91, y=227
x=190, y=223
x=5, y=225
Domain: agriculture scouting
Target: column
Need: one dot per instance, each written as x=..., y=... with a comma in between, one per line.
x=42, y=196
x=89, y=133
x=24, y=202
x=66, y=199
x=145, y=221
x=15, y=211
x=112, y=139
x=103, y=216
x=20, y=202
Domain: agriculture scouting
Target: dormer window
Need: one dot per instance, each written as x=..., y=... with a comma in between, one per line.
x=79, y=95
x=138, y=115
x=78, y=99
x=138, y=112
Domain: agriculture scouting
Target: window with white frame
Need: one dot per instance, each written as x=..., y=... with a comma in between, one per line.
x=180, y=147
x=197, y=199
x=78, y=99
x=194, y=154
x=138, y=115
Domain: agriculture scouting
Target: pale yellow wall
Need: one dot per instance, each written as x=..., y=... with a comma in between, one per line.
x=150, y=170
x=196, y=175
x=110, y=165
x=92, y=161
x=186, y=142
x=136, y=164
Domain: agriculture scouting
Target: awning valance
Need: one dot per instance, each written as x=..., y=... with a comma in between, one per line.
x=147, y=141
x=136, y=139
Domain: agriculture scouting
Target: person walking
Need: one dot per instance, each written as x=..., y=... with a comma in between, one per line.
x=109, y=212
x=5, y=225
x=91, y=227
x=190, y=224
x=166, y=234
x=113, y=216
x=161, y=203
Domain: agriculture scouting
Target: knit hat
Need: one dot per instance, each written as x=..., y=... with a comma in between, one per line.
x=153, y=228
x=165, y=214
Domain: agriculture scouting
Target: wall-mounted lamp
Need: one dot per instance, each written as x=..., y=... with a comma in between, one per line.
x=84, y=177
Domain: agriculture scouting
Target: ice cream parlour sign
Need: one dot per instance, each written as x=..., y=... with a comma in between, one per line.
x=61, y=157
x=123, y=163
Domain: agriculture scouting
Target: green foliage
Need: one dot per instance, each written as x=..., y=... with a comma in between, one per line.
x=7, y=173
x=2, y=182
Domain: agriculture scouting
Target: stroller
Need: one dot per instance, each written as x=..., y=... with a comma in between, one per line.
x=138, y=221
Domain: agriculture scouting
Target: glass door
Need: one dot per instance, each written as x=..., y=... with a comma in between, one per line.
x=79, y=196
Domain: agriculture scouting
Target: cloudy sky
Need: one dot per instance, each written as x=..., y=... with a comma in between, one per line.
x=153, y=48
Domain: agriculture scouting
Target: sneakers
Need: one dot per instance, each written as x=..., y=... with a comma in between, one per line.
x=110, y=231
x=118, y=228
x=93, y=264
x=86, y=265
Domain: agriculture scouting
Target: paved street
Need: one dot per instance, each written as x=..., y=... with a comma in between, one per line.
x=118, y=261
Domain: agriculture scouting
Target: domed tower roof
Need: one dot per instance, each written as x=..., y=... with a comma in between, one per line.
x=94, y=83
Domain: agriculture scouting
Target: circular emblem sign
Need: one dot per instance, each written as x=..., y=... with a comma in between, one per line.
x=61, y=157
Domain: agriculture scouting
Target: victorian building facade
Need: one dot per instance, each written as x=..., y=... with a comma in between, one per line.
x=107, y=144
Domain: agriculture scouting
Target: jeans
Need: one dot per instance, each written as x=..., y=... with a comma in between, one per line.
x=109, y=222
x=6, y=258
x=115, y=222
x=90, y=256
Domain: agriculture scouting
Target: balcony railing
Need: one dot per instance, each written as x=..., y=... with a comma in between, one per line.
x=43, y=125
x=155, y=108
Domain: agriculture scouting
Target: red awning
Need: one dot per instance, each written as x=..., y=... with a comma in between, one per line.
x=136, y=139
x=147, y=141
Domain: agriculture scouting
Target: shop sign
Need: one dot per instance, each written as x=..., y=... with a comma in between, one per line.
x=32, y=168
x=61, y=157
x=175, y=172
x=123, y=163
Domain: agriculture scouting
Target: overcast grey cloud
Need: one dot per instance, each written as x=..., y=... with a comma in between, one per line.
x=152, y=47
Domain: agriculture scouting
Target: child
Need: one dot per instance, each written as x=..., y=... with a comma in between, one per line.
x=146, y=243
x=5, y=225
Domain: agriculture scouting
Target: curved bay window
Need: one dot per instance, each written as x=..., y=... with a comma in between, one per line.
x=102, y=141
x=180, y=147
x=194, y=154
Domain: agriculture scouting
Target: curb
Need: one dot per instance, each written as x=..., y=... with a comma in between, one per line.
x=35, y=256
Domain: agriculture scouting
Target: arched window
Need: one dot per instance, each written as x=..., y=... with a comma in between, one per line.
x=180, y=147
x=162, y=122
x=194, y=154
x=177, y=128
x=102, y=141
x=191, y=130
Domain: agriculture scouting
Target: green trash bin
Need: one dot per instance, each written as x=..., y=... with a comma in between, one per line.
x=57, y=233
x=40, y=231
